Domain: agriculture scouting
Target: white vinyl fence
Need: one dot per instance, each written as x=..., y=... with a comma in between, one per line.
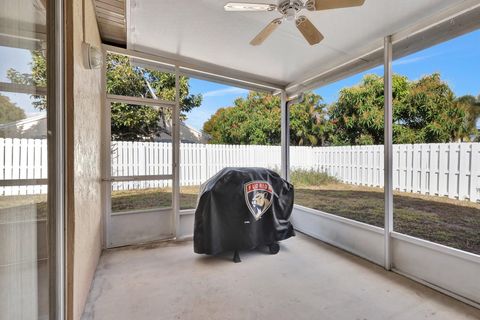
x=440, y=169
x=22, y=159
x=450, y=169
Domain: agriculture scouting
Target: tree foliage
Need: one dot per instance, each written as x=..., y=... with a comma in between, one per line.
x=472, y=106
x=424, y=111
x=37, y=78
x=133, y=122
x=357, y=116
x=256, y=120
x=129, y=122
x=9, y=111
x=308, y=122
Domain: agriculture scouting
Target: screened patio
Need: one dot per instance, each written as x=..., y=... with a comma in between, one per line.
x=112, y=254
x=336, y=268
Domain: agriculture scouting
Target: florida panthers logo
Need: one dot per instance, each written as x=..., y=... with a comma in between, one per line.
x=258, y=196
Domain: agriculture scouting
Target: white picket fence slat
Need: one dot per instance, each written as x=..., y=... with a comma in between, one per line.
x=451, y=169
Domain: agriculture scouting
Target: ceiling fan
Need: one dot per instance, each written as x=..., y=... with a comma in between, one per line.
x=290, y=10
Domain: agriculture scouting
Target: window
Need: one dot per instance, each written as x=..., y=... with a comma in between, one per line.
x=24, y=157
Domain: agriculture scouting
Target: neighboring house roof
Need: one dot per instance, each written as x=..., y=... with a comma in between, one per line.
x=34, y=127
x=23, y=122
x=188, y=134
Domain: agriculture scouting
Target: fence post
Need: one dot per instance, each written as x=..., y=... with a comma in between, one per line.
x=452, y=170
x=474, y=172
x=204, y=164
x=462, y=174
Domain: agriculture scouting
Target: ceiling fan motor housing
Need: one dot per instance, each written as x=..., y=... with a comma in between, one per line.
x=290, y=8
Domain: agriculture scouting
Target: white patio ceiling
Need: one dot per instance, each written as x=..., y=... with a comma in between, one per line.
x=200, y=32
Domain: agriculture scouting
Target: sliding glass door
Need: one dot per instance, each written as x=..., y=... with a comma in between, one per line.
x=27, y=126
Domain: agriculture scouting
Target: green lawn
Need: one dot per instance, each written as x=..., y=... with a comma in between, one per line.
x=130, y=200
x=446, y=221
x=21, y=208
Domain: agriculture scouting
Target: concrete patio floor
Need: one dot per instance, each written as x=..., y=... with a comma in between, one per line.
x=306, y=280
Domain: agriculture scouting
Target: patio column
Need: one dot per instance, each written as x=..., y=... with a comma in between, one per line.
x=176, y=156
x=285, y=137
x=388, y=149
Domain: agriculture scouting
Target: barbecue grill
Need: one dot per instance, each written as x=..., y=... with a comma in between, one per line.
x=243, y=209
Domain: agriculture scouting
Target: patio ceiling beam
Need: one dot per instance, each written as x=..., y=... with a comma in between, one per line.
x=202, y=70
x=451, y=23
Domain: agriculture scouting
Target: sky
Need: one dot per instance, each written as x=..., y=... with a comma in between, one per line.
x=458, y=62
x=19, y=60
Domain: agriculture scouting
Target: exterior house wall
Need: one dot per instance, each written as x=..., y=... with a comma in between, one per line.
x=84, y=119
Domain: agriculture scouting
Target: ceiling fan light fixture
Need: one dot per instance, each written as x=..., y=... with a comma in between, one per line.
x=290, y=14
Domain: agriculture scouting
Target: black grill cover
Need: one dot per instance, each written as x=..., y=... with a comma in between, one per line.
x=241, y=209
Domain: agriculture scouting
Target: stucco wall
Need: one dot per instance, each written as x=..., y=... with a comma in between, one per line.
x=84, y=140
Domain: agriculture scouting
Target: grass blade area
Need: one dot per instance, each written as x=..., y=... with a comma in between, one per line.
x=445, y=221
x=442, y=220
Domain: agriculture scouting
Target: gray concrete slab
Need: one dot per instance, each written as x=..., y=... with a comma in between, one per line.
x=306, y=280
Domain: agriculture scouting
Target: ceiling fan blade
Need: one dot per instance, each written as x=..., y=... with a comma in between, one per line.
x=308, y=30
x=259, y=38
x=241, y=6
x=333, y=4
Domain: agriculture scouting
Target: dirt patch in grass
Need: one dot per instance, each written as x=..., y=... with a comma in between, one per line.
x=446, y=221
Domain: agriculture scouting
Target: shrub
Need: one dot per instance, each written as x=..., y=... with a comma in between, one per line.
x=311, y=178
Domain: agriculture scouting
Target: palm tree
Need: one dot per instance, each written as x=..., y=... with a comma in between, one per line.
x=472, y=106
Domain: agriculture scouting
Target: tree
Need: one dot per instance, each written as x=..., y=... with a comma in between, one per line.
x=357, y=116
x=37, y=78
x=256, y=120
x=424, y=111
x=132, y=122
x=9, y=111
x=308, y=122
x=431, y=112
x=472, y=105
x=129, y=122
